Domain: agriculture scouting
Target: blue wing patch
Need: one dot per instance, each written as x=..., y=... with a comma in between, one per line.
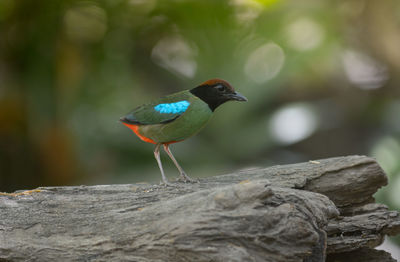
x=172, y=108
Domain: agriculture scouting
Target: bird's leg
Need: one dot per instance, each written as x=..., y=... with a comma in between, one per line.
x=183, y=175
x=157, y=156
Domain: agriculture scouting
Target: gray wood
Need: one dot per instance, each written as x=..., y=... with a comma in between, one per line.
x=366, y=227
x=300, y=212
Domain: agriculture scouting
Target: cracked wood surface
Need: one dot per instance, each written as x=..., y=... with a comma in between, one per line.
x=300, y=212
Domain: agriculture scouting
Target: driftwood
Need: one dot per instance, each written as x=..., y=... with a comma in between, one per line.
x=303, y=212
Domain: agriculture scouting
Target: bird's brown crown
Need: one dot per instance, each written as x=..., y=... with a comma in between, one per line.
x=217, y=81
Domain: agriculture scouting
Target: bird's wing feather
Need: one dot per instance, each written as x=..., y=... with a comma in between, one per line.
x=163, y=110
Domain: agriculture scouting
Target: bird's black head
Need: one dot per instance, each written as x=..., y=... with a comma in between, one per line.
x=215, y=92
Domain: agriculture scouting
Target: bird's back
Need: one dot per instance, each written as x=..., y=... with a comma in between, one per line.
x=170, y=118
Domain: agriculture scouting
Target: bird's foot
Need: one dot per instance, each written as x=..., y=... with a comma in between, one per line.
x=186, y=179
x=166, y=183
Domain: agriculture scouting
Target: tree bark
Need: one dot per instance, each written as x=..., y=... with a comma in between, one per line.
x=302, y=212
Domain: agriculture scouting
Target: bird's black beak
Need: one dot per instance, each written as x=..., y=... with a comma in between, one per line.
x=237, y=96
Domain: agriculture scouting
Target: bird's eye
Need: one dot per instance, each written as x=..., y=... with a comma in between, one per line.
x=221, y=88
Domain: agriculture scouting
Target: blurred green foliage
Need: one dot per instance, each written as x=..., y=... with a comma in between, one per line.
x=322, y=79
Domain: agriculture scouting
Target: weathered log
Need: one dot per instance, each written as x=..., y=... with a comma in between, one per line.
x=300, y=212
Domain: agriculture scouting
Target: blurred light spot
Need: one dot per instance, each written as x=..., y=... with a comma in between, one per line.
x=387, y=153
x=256, y=3
x=304, y=34
x=248, y=10
x=86, y=23
x=264, y=63
x=175, y=55
x=363, y=71
x=293, y=123
x=143, y=6
x=264, y=3
x=267, y=3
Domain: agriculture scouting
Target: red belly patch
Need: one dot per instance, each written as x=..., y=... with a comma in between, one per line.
x=135, y=129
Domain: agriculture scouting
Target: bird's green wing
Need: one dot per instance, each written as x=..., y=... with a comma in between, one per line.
x=163, y=110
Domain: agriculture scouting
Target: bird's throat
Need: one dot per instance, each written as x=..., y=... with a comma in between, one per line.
x=212, y=101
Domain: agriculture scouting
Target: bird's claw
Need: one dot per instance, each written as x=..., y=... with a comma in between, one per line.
x=168, y=184
x=186, y=179
x=165, y=183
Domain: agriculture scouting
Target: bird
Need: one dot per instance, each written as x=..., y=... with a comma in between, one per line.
x=176, y=117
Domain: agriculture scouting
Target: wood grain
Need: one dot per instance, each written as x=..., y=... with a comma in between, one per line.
x=309, y=211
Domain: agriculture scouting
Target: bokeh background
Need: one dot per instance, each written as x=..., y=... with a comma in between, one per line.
x=322, y=79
